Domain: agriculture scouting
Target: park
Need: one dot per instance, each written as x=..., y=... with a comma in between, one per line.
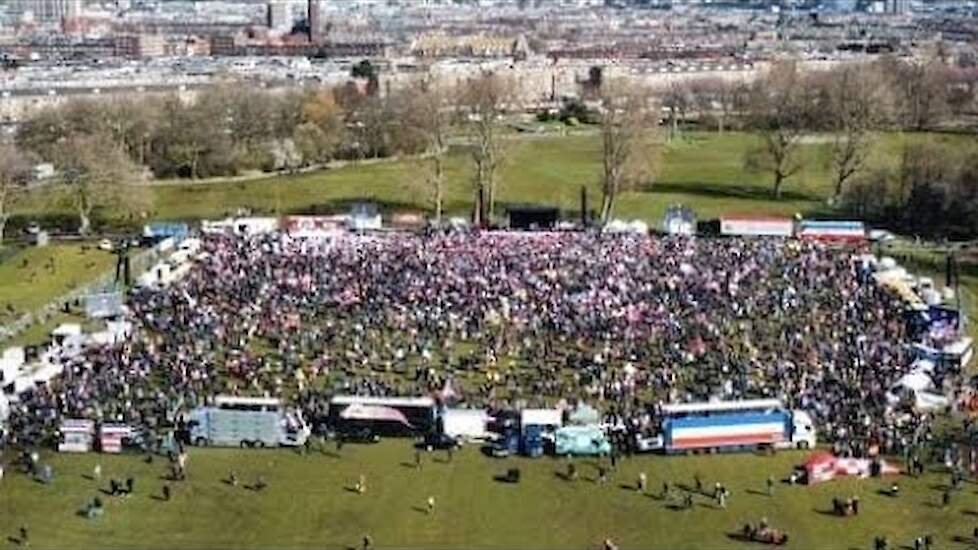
x=308, y=501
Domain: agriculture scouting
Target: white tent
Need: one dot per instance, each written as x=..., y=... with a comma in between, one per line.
x=465, y=423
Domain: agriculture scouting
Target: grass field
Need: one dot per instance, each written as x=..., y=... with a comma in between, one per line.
x=31, y=277
x=308, y=503
x=702, y=170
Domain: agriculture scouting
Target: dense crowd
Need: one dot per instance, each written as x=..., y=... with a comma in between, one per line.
x=624, y=323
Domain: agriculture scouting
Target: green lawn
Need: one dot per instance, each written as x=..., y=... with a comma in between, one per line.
x=703, y=170
x=31, y=277
x=307, y=504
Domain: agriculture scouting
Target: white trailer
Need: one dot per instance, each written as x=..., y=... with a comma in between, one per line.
x=467, y=424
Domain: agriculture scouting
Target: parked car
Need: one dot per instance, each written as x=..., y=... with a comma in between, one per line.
x=363, y=435
x=441, y=441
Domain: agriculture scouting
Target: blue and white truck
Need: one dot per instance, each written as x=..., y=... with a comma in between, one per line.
x=730, y=426
x=247, y=422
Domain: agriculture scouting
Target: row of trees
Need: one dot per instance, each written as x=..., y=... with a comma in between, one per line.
x=930, y=190
x=98, y=145
x=103, y=149
x=849, y=105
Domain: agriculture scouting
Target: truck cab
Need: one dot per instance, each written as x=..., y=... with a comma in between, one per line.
x=803, y=434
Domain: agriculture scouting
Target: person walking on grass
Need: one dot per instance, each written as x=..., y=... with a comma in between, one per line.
x=24, y=537
x=431, y=505
x=97, y=473
x=770, y=486
x=166, y=493
x=368, y=542
x=642, y=481
x=361, y=486
x=417, y=459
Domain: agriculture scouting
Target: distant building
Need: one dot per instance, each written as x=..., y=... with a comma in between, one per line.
x=315, y=25
x=279, y=15
x=140, y=46
x=897, y=6
x=50, y=10
x=442, y=45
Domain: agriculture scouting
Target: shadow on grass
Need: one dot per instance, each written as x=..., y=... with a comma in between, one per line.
x=757, y=493
x=744, y=191
x=420, y=510
x=972, y=513
x=831, y=513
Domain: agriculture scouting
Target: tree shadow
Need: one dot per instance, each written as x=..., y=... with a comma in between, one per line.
x=726, y=190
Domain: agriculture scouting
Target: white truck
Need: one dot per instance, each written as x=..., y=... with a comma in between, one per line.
x=247, y=422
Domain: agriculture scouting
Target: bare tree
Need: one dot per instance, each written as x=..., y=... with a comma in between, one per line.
x=919, y=87
x=94, y=171
x=629, y=145
x=780, y=108
x=14, y=173
x=430, y=114
x=678, y=99
x=853, y=97
x=483, y=100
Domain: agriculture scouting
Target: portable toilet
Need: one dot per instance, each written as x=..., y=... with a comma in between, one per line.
x=111, y=436
x=77, y=436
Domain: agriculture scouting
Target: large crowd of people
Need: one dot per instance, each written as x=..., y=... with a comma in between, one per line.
x=505, y=320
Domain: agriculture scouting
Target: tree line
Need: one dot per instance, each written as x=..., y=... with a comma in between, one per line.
x=101, y=147
x=846, y=110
